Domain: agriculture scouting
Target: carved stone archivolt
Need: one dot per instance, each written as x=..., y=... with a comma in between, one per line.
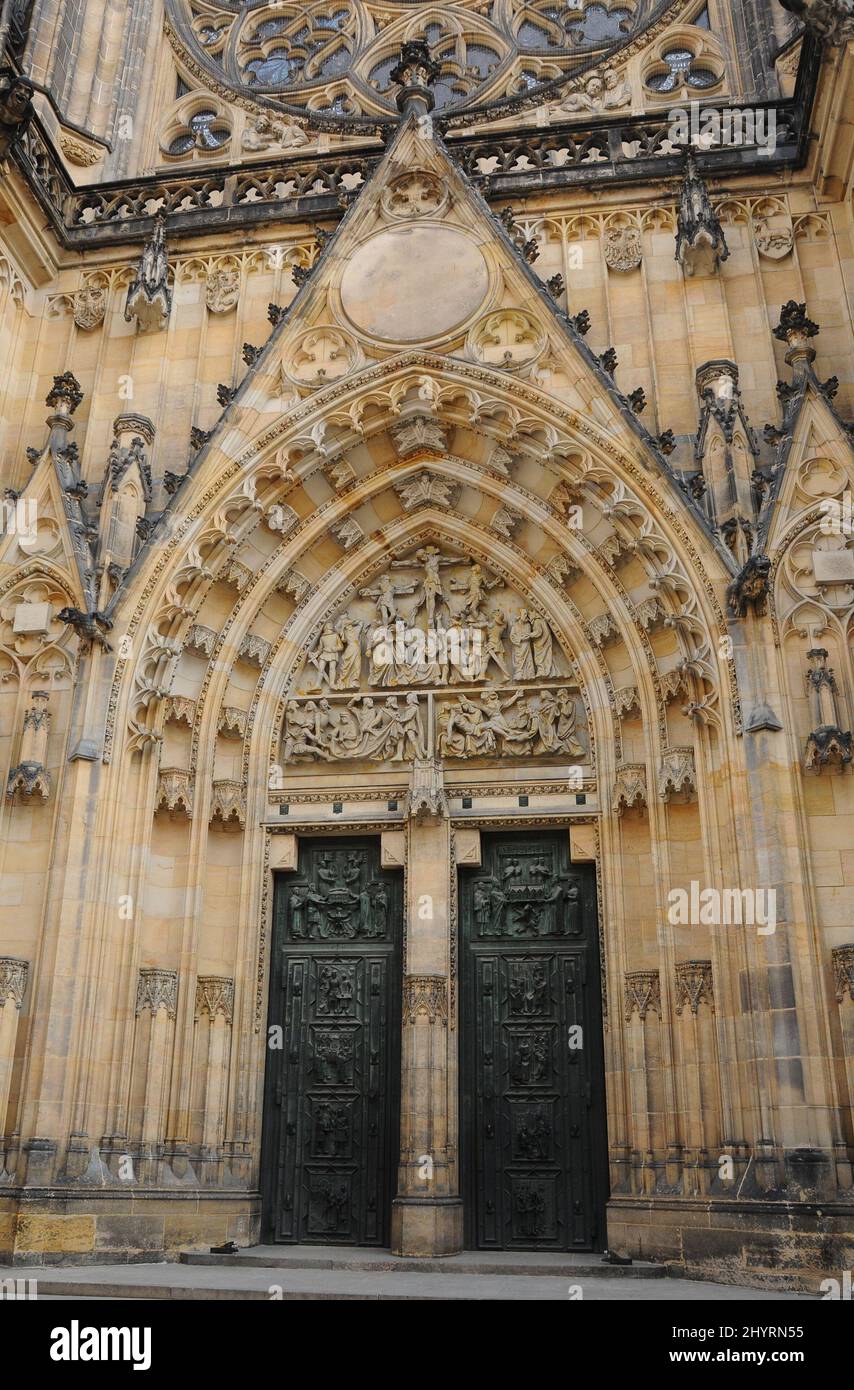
x=642, y=994
x=425, y=996
x=694, y=985
x=157, y=989
x=215, y=996
x=13, y=980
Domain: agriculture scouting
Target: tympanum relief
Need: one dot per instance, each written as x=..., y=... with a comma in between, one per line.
x=447, y=634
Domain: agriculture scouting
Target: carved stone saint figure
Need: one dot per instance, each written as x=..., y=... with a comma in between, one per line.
x=326, y=654
x=386, y=594
x=350, y=668
x=475, y=586
x=568, y=723
x=541, y=642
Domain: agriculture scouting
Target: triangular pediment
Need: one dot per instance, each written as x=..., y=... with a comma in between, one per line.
x=421, y=264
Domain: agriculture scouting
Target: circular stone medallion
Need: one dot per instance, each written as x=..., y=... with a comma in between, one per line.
x=412, y=284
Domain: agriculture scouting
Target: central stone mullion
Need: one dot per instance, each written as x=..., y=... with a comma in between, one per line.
x=427, y=1212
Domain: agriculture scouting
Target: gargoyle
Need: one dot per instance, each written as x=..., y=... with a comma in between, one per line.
x=90, y=627
x=751, y=587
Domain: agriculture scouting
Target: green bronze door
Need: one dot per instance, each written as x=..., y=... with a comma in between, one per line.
x=532, y=1102
x=333, y=1070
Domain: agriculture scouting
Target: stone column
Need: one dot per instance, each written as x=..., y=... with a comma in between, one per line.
x=13, y=984
x=157, y=994
x=427, y=1211
x=643, y=998
x=215, y=1009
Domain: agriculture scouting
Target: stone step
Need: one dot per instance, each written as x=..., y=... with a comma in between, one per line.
x=549, y=1264
x=379, y=1283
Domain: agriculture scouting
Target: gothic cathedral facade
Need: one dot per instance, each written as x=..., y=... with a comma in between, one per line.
x=427, y=628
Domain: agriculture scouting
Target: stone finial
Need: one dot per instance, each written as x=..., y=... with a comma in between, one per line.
x=832, y=21
x=13, y=980
x=149, y=299
x=415, y=73
x=65, y=395
x=795, y=330
x=700, y=242
x=157, y=989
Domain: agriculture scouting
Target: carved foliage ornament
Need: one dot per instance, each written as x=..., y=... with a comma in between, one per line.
x=622, y=248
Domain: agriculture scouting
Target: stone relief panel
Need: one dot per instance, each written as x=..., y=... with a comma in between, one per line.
x=447, y=634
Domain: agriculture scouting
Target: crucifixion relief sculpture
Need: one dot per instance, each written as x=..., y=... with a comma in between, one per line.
x=433, y=621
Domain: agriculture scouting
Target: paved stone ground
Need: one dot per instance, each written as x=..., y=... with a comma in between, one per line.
x=253, y=1282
